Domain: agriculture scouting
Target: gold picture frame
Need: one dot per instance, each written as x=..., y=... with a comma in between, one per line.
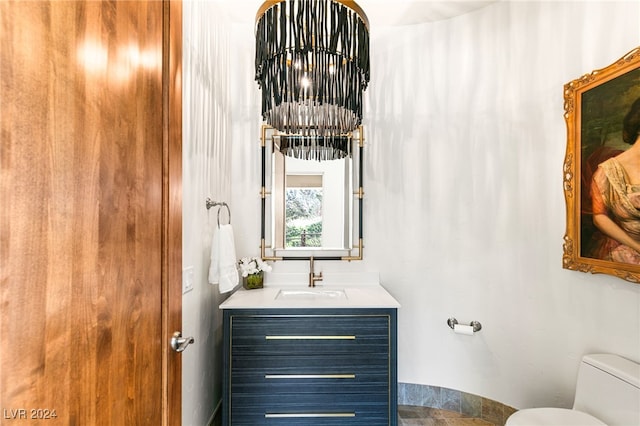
x=595, y=106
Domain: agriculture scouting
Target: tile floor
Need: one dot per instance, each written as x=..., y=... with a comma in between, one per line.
x=409, y=415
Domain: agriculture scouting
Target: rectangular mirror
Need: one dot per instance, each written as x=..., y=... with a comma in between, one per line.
x=310, y=207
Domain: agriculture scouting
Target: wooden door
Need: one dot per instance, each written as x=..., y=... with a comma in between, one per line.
x=90, y=222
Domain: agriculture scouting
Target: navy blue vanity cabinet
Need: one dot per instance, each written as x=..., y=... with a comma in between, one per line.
x=310, y=367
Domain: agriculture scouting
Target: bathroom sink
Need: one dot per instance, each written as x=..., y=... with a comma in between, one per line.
x=311, y=293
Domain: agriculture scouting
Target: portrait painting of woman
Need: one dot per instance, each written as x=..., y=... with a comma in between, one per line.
x=615, y=197
x=602, y=170
x=610, y=175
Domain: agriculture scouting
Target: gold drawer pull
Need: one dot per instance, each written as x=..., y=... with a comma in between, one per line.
x=305, y=415
x=310, y=337
x=310, y=376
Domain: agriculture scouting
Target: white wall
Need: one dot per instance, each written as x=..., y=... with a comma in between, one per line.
x=474, y=122
x=206, y=173
x=464, y=207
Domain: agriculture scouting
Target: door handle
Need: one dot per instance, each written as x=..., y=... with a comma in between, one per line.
x=179, y=343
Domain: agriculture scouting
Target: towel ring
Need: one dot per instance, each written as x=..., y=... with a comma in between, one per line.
x=210, y=203
x=228, y=213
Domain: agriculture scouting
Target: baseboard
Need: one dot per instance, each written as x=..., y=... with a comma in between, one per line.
x=212, y=419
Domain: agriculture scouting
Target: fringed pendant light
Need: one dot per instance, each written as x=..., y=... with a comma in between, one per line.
x=312, y=65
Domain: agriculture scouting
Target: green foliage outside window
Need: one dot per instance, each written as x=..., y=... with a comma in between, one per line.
x=303, y=210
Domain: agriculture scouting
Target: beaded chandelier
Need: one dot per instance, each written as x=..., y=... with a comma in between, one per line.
x=312, y=65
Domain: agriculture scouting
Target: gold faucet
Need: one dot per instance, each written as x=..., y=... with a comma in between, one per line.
x=312, y=276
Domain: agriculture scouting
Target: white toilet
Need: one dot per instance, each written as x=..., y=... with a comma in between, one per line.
x=607, y=393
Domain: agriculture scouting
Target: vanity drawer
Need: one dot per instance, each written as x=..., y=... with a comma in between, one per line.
x=337, y=408
x=304, y=334
x=314, y=374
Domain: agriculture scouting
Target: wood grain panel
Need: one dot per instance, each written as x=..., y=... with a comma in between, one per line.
x=82, y=222
x=172, y=207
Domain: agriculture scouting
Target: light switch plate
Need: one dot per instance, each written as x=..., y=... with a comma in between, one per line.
x=187, y=279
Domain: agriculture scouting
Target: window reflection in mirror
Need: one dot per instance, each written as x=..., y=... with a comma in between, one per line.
x=303, y=211
x=312, y=203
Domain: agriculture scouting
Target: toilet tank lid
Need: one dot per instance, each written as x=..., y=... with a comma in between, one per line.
x=622, y=368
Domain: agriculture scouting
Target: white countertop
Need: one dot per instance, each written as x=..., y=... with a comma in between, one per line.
x=357, y=296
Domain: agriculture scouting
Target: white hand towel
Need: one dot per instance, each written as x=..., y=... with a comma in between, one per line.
x=214, y=266
x=223, y=260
